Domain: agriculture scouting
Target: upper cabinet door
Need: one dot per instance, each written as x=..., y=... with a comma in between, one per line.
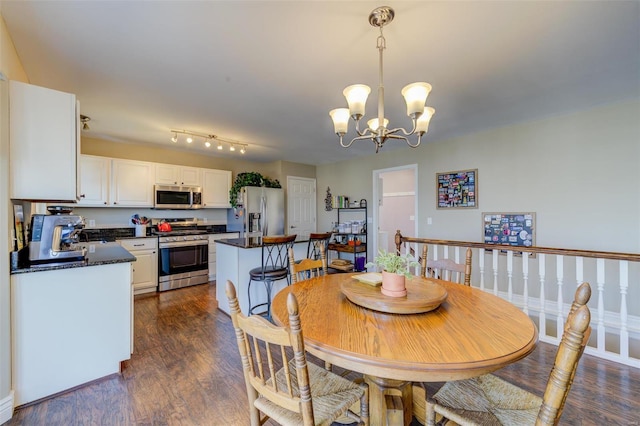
x=190, y=176
x=169, y=174
x=215, y=188
x=43, y=143
x=132, y=183
x=94, y=180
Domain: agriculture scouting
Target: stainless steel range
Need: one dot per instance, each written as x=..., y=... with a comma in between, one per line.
x=184, y=254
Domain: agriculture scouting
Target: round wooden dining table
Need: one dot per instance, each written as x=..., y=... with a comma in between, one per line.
x=471, y=333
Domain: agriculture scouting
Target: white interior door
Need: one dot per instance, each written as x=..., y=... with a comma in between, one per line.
x=301, y=206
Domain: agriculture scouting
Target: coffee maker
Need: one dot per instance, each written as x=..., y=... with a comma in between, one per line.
x=55, y=238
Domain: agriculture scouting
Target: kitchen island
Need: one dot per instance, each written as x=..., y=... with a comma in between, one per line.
x=235, y=257
x=72, y=322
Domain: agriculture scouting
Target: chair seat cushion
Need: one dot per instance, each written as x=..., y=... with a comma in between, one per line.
x=487, y=400
x=332, y=395
x=268, y=274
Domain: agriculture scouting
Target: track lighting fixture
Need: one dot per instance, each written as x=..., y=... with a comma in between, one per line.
x=208, y=138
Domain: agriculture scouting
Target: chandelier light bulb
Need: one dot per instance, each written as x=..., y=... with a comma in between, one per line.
x=373, y=124
x=340, y=117
x=357, y=95
x=415, y=95
x=422, y=124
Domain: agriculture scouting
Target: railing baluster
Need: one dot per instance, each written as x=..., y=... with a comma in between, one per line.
x=624, y=332
x=525, y=279
x=481, y=266
x=560, y=277
x=579, y=270
x=600, y=283
x=495, y=272
x=543, y=315
x=510, y=276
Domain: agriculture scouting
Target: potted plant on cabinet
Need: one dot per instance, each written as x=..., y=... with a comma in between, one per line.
x=250, y=179
x=395, y=269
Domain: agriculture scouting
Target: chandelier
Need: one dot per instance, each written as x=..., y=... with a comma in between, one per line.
x=221, y=142
x=415, y=96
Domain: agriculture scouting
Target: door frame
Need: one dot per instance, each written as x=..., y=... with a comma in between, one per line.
x=377, y=196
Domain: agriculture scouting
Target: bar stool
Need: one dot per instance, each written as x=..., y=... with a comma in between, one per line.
x=315, y=242
x=274, y=267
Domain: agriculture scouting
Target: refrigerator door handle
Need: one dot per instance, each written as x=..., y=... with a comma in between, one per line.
x=263, y=216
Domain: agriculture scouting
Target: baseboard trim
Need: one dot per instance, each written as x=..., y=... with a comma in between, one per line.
x=6, y=408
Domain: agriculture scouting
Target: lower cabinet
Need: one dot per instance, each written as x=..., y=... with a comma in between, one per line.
x=145, y=268
x=212, y=251
x=69, y=326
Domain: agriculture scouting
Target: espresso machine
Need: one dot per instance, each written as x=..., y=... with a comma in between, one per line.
x=56, y=238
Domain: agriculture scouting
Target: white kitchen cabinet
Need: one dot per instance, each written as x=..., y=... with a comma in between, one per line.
x=95, y=173
x=132, y=183
x=169, y=174
x=212, y=251
x=145, y=268
x=70, y=326
x=215, y=188
x=44, y=143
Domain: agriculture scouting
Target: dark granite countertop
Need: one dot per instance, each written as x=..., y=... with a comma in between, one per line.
x=247, y=243
x=97, y=254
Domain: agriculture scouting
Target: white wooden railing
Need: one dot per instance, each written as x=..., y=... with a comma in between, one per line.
x=542, y=281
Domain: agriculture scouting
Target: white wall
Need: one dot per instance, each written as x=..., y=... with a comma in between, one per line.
x=10, y=68
x=577, y=172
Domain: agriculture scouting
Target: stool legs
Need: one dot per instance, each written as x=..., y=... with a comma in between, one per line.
x=268, y=287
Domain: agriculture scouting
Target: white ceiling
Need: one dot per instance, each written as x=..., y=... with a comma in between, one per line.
x=267, y=72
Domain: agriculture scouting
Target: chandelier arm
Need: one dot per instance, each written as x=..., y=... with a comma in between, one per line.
x=364, y=132
x=391, y=136
x=357, y=138
x=401, y=129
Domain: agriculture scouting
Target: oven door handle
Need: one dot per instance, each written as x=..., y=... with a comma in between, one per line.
x=173, y=244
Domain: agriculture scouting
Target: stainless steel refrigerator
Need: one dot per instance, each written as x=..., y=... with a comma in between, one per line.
x=260, y=212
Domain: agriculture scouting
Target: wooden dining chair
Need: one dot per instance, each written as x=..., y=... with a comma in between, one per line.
x=447, y=269
x=306, y=268
x=492, y=401
x=280, y=384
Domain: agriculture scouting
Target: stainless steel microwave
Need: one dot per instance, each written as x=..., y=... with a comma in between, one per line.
x=177, y=197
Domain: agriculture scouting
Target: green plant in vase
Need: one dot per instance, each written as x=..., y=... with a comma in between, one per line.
x=395, y=269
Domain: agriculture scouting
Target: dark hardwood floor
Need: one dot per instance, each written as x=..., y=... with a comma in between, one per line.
x=186, y=371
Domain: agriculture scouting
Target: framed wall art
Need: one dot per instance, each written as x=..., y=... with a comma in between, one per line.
x=514, y=229
x=457, y=189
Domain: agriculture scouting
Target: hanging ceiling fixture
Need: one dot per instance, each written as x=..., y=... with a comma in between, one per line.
x=208, y=138
x=415, y=95
x=85, y=122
